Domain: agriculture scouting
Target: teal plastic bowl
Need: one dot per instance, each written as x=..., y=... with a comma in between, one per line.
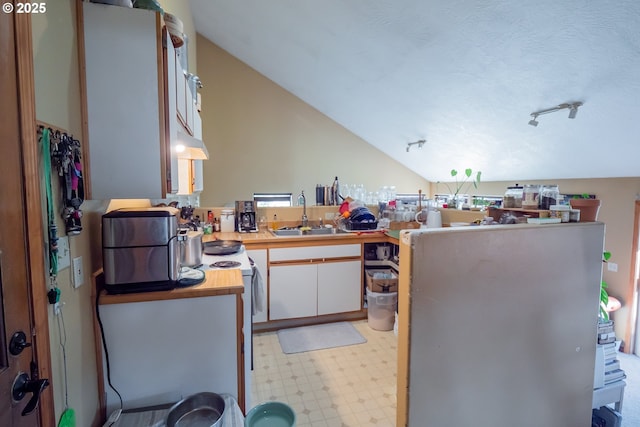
x=270, y=414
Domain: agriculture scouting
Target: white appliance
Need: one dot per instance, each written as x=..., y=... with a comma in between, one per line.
x=502, y=324
x=245, y=267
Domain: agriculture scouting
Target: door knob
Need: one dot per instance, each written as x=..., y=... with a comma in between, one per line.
x=23, y=385
x=18, y=343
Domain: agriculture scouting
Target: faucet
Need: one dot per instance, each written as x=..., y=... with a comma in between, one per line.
x=305, y=220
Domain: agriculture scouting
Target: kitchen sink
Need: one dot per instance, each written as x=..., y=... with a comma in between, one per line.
x=287, y=232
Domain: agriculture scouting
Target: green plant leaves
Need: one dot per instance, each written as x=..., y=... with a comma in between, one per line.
x=604, y=295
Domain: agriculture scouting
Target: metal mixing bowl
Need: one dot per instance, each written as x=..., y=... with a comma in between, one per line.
x=198, y=410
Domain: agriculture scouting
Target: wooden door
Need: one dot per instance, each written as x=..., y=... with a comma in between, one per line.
x=21, y=339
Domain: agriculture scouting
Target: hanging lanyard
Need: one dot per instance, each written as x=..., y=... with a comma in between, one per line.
x=51, y=220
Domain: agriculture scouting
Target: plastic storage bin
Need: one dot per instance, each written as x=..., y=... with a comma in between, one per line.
x=381, y=310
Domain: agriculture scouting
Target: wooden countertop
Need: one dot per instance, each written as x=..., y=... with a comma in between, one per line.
x=217, y=282
x=225, y=282
x=263, y=239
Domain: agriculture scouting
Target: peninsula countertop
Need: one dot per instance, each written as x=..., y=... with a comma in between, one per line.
x=217, y=282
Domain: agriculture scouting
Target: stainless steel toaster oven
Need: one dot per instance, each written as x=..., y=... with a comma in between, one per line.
x=140, y=250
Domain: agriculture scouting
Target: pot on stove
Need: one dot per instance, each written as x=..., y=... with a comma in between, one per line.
x=190, y=247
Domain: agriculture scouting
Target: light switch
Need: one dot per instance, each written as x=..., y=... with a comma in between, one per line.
x=612, y=266
x=78, y=273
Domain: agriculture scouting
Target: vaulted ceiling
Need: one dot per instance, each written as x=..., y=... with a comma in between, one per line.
x=464, y=75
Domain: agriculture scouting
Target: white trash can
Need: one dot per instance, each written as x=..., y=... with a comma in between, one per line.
x=381, y=309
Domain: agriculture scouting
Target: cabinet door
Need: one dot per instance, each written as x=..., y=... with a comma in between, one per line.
x=339, y=287
x=292, y=291
x=125, y=101
x=259, y=256
x=181, y=94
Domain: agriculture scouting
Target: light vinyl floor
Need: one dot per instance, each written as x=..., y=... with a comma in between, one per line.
x=352, y=386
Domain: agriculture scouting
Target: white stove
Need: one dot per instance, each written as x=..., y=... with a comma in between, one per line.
x=246, y=269
x=240, y=256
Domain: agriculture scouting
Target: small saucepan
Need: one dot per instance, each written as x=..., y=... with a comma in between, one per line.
x=221, y=247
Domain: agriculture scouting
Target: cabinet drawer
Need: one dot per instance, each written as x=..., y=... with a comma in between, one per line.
x=314, y=252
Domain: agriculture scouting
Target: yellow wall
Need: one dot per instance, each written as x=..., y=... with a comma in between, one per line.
x=261, y=138
x=618, y=197
x=58, y=103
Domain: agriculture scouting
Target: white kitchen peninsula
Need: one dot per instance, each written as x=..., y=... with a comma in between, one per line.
x=164, y=346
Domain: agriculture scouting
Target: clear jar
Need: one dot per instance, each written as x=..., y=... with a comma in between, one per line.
x=512, y=197
x=530, y=196
x=549, y=196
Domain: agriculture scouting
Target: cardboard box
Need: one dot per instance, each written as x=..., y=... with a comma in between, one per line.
x=382, y=280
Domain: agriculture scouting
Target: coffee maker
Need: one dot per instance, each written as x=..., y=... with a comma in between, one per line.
x=246, y=217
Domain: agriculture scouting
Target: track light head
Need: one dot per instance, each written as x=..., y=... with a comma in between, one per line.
x=573, y=111
x=533, y=122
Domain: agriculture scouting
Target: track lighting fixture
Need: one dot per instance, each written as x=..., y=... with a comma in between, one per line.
x=419, y=143
x=572, y=107
x=573, y=111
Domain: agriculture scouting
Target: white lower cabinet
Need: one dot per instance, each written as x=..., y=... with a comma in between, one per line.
x=314, y=289
x=339, y=287
x=293, y=291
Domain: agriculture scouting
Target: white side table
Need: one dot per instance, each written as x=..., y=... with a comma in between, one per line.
x=610, y=393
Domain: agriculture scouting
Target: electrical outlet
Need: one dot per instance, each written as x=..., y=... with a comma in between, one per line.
x=329, y=215
x=56, y=308
x=612, y=266
x=78, y=273
x=64, y=255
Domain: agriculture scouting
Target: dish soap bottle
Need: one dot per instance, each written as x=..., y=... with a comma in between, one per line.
x=274, y=224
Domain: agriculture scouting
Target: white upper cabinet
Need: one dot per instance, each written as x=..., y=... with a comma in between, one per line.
x=126, y=84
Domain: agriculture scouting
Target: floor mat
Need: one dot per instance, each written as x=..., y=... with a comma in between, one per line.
x=318, y=337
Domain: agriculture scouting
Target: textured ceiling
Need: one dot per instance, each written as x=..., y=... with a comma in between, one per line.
x=462, y=74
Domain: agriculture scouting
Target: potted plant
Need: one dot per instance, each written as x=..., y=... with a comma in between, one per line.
x=454, y=201
x=604, y=295
x=588, y=206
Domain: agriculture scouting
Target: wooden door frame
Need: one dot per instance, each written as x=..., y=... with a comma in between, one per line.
x=37, y=280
